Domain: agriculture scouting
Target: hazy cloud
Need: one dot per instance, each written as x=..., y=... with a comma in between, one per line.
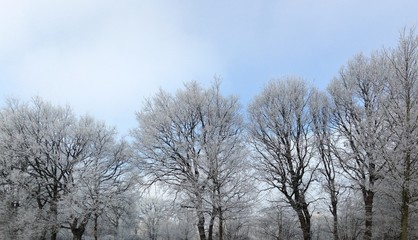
x=104, y=57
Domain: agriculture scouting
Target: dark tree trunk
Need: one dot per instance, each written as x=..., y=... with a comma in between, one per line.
x=301, y=208
x=305, y=222
x=78, y=229
x=54, y=217
x=200, y=216
x=221, y=224
x=335, y=229
x=405, y=196
x=211, y=223
x=201, y=225
x=405, y=199
x=304, y=218
x=368, y=205
x=77, y=233
x=404, y=214
x=96, y=226
x=334, y=211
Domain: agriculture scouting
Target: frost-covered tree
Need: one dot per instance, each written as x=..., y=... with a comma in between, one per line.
x=280, y=128
x=99, y=179
x=358, y=118
x=39, y=140
x=59, y=169
x=350, y=214
x=325, y=141
x=227, y=167
x=192, y=141
x=277, y=223
x=152, y=213
x=402, y=118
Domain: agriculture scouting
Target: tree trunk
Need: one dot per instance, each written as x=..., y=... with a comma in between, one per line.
x=405, y=197
x=306, y=228
x=221, y=224
x=405, y=211
x=78, y=229
x=95, y=227
x=200, y=216
x=211, y=223
x=335, y=230
x=77, y=233
x=404, y=214
x=368, y=205
x=201, y=225
x=334, y=212
x=301, y=208
x=280, y=219
x=54, y=217
x=305, y=222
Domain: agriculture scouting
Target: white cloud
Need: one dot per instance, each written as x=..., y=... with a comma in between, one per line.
x=106, y=64
x=104, y=57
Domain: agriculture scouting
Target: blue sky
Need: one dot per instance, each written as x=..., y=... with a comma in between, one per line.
x=104, y=57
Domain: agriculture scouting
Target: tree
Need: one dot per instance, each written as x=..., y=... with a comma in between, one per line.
x=169, y=143
x=357, y=96
x=402, y=115
x=38, y=137
x=68, y=168
x=350, y=215
x=121, y=217
x=152, y=212
x=325, y=145
x=227, y=162
x=280, y=129
x=187, y=140
x=98, y=179
x=277, y=223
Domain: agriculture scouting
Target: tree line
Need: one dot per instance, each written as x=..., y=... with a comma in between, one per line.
x=299, y=163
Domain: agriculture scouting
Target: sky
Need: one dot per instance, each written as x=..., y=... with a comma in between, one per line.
x=104, y=58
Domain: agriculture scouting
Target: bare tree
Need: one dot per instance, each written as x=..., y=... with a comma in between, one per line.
x=277, y=223
x=189, y=141
x=40, y=139
x=152, y=213
x=97, y=180
x=228, y=167
x=280, y=127
x=325, y=145
x=357, y=96
x=66, y=167
x=350, y=215
x=169, y=143
x=402, y=116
